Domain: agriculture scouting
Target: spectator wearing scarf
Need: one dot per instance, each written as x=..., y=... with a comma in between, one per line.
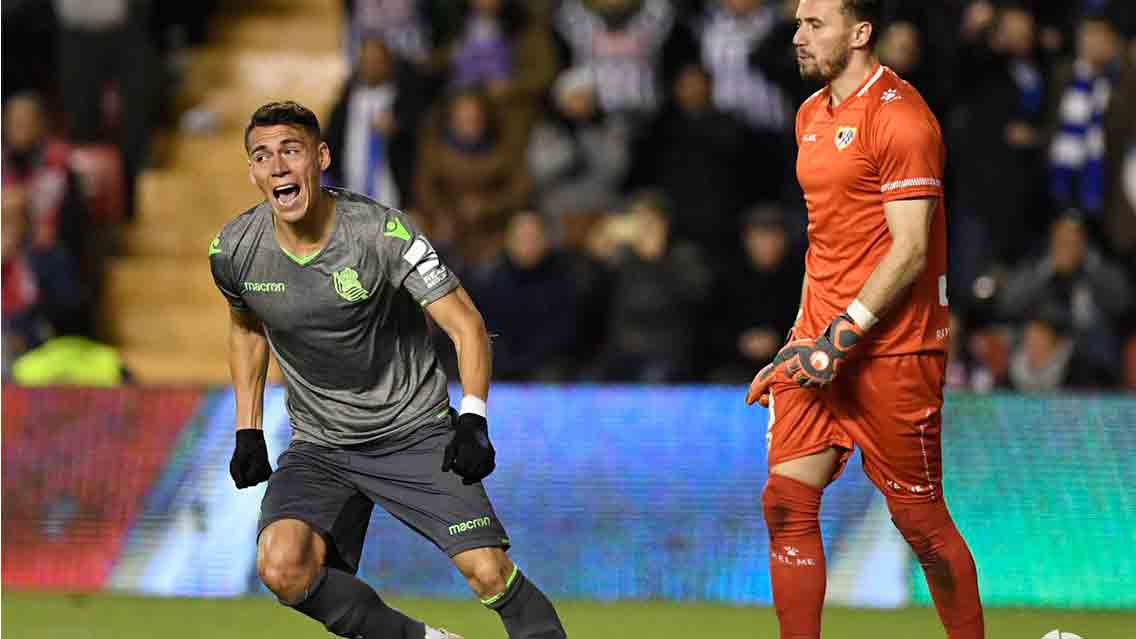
x=372, y=127
x=1077, y=154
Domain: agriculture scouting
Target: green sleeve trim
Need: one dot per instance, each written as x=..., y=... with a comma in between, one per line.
x=302, y=261
x=508, y=584
x=215, y=246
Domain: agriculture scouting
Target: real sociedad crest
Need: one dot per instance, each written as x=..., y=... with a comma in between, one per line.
x=844, y=137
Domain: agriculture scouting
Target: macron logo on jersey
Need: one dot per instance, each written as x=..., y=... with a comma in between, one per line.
x=265, y=287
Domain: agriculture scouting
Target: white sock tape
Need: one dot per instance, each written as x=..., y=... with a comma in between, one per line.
x=472, y=404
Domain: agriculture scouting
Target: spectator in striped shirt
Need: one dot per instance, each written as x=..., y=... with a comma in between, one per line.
x=729, y=32
x=633, y=47
x=1077, y=154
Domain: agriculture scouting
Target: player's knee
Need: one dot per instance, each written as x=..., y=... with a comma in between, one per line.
x=790, y=506
x=773, y=508
x=489, y=575
x=286, y=569
x=924, y=525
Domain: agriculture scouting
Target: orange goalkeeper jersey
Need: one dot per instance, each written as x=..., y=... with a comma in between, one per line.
x=881, y=144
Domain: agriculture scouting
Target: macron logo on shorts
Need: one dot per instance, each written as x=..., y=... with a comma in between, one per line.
x=463, y=526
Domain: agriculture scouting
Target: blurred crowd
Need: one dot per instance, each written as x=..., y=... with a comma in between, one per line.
x=85, y=85
x=614, y=179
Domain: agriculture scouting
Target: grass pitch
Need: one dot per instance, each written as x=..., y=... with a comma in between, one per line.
x=55, y=616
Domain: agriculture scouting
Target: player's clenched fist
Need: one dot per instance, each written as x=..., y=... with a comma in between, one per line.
x=470, y=453
x=249, y=465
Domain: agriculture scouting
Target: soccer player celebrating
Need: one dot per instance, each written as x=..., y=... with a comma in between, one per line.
x=865, y=362
x=335, y=284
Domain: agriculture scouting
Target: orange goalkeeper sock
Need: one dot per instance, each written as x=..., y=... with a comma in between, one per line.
x=796, y=555
x=947, y=565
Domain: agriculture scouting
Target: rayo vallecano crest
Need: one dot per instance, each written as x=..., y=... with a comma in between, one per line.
x=844, y=137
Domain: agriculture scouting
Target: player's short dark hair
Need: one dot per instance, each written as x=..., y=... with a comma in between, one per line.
x=288, y=112
x=871, y=11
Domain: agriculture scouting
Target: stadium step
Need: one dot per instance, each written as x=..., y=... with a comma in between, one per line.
x=303, y=30
x=171, y=366
x=162, y=308
x=161, y=282
x=196, y=329
x=220, y=80
x=164, y=304
x=180, y=212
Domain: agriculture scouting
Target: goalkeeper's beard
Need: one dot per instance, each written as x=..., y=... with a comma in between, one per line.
x=827, y=70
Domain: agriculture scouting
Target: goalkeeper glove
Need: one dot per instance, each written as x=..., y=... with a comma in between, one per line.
x=470, y=453
x=759, y=387
x=817, y=364
x=249, y=465
x=810, y=363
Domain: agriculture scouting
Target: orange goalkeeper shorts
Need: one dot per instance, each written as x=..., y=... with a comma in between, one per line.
x=891, y=407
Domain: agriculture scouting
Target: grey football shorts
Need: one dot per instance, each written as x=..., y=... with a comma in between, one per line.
x=334, y=489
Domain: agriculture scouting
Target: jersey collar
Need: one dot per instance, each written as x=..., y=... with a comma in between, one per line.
x=860, y=92
x=308, y=259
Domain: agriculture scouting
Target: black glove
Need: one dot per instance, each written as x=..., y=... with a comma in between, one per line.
x=470, y=453
x=249, y=465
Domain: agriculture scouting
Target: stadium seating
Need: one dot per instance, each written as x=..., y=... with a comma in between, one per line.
x=271, y=50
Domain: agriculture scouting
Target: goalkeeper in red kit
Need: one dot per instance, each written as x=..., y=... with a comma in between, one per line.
x=866, y=360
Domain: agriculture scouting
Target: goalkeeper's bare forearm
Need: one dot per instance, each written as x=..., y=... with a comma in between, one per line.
x=909, y=223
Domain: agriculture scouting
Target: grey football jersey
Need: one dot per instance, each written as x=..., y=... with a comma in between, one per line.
x=346, y=325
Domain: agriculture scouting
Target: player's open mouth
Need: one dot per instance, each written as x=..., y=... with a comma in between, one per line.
x=286, y=195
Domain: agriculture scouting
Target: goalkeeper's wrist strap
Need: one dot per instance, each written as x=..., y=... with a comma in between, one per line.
x=862, y=315
x=472, y=404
